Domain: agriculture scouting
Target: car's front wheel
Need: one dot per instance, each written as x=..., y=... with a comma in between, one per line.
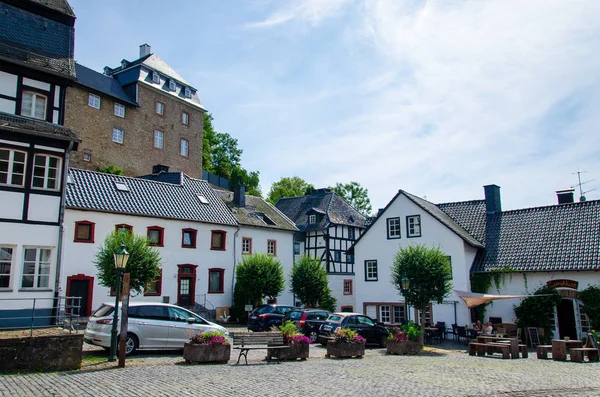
x=314, y=336
x=383, y=341
x=131, y=344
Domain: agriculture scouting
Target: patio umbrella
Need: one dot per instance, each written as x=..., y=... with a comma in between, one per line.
x=473, y=299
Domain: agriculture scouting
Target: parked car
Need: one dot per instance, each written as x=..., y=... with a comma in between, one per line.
x=308, y=321
x=263, y=317
x=150, y=325
x=368, y=328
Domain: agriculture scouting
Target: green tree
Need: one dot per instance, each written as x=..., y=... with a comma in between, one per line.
x=143, y=264
x=538, y=311
x=240, y=176
x=110, y=169
x=257, y=276
x=355, y=195
x=289, y=187
x=428, y=271
x=591, y=304
x=309, y=283
x=208, y=141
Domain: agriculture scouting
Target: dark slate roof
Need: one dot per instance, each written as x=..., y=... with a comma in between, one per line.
x=468, y=214
x=90, y=190
x=61, y=6
x=336, y=210
x=101, y=83
x=10, y=122
x=257, y=212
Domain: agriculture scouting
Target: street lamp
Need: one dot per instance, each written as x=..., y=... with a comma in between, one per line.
x=404, y=284
x=121, y=258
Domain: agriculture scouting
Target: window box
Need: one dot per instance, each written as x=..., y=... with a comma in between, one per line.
x=188, y=238
x=84, y=232
x=156, y=236
x=218, y=240
x=393, y=228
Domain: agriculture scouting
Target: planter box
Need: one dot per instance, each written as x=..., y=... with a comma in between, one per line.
x=345, y=349
x=295, y=351
x=403, y=347
x=195, y=353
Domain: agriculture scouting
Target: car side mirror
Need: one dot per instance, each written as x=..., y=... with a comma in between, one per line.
x=191, y=320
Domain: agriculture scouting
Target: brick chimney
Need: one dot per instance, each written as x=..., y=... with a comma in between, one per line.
x=565, y=196
x=493, y=204
x=145, y=49
x=239, y=196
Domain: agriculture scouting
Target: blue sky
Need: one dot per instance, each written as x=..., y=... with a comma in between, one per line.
x=437, y=98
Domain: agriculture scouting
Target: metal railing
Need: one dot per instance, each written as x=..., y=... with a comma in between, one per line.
x=34, y=313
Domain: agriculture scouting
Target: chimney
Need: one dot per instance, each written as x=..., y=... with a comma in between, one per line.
x=239, y=195
x=565, y=196
x=145, y=49
x=158, y=168
x=492, y=199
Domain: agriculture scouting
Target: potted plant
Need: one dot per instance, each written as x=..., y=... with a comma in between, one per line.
x=347, y=343
x=298, y=344
x=207, y=347
x=404, y=340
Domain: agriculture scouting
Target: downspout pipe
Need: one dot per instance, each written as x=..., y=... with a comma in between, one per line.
x=61, y=231
x=235, y=236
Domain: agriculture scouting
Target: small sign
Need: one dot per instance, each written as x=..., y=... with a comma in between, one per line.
x=248, y=308
x=563, y=284
x=534, y=338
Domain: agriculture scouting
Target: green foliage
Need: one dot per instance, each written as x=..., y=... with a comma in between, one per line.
x=309, y=282
x=412, y=331
x=258, y=276
x=481, y=283
x=591, y=304
x=110, y=169
x=240, y=176
x=355, y=195
x=538, y=311
x=499, y=275
x=328, y=302
x=144, y=261
x=289, y=187
x=347, y=335
x=289, y=329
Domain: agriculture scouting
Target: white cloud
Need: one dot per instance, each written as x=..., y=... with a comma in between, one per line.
x=312, y=11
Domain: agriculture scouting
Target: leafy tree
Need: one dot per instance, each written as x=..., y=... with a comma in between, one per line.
x=208, y=141
x=257, y=276
x=591, y=304
x=143, y=264
x=429, y=273
x=110, y=169
x=355, y=195
x=289, y=187
x=240, y=176
x=538, y=311
x=309, y=283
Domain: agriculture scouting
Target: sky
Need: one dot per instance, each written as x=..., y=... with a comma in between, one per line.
x=437, y=98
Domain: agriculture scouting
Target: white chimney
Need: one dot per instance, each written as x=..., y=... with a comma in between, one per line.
x=145, y=49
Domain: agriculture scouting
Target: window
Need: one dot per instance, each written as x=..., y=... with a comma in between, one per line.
x=46, y=172
x=337, y=256
x=246, y=245
x=117, y=135
x=188, y=92
x=188, y=238
x=172, y=85
x=312, y=219
x=272, y=247
x=5, y=266
x=399, y=315
x=160, y=108
x=413, y=226
x=153, y=288
x=349, y=258
x=158, y=139
x=385, y=315
x=351, y=235
x=296, y=248
x=185, y=118
x=184, y=147
x=450, y=263
x=12, y=167
x=94, y=101
x=217, y=240
x=371, y=270
x=347, y=287
x=34, y=105
x=125, y=227
x=393, y=228
x=216, y=281
x=119, y=110
x=155, y=78
x=156, y=236
x=36, y=268
x=84, y=232
x=87, y=157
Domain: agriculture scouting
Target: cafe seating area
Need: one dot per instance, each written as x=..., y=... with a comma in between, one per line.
x=572, y=350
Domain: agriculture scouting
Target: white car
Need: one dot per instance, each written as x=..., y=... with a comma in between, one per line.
x=150, y=325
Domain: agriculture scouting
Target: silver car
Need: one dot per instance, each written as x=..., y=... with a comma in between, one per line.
x=150, y=325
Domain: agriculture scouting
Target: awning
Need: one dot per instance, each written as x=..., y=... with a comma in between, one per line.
x=473, y=299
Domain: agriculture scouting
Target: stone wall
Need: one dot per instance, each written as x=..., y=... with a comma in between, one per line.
x=41, y=353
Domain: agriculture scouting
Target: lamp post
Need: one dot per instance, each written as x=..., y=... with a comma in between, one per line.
x=405, y=284
x=121, y=258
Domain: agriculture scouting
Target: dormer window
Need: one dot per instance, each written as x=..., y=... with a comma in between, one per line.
x=155, y=78
x=172, y=85
x=312, y=219
x=188, y=92
x=123, y=64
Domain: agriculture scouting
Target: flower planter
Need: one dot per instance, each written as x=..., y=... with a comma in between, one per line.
x=345, y=349
x=403, y=347
x=203, y=353
x=294, y=352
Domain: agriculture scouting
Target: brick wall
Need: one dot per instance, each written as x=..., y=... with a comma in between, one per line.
x=137, y=154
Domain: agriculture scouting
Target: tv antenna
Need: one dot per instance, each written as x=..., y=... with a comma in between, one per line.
x=580, y=184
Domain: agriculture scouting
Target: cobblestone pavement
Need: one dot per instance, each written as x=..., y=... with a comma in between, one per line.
x=438, y=372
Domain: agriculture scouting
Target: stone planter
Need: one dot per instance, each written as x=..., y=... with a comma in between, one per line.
x=403, y=347
x=198, y=353
x=294, y=352
x=345, y=349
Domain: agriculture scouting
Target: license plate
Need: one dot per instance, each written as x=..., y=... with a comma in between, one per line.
x=252, y=317
x=326, y=328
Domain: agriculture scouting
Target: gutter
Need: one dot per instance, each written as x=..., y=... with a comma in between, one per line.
x=234, y=263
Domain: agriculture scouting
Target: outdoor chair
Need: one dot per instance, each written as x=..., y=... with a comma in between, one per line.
x=452, y=332
x=461, y=333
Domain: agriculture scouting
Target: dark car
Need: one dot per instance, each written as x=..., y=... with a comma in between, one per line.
x=263, y=317
x=368, y=328
x=308, y=321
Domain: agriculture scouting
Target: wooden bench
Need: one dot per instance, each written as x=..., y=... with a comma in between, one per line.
x=522, y=349
x=577, y=354
x=246, y=341
x=481, y=349
x=542, y=351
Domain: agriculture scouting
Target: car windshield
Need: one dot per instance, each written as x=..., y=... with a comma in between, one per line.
x=294, y=315
x=103, y=311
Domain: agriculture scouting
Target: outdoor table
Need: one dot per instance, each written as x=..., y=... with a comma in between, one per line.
x=514, y=343
x=428, y=331
x=560, y=348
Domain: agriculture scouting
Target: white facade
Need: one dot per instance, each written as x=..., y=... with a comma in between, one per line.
x=376, y=296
